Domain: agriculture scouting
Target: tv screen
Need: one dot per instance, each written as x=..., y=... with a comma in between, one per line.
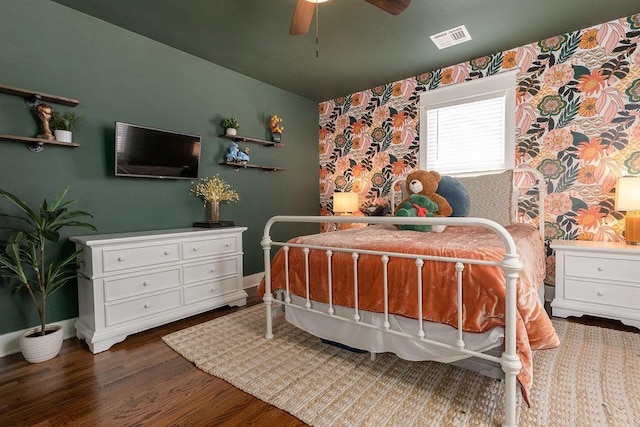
x=155, y=153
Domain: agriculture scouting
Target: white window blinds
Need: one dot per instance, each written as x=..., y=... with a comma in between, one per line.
x=469, y=127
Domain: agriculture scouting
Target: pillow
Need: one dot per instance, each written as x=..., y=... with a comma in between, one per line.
x=491, y=196
x=455, y=193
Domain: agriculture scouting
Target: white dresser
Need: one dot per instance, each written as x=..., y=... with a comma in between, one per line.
x=131, y=282
x=599, y=279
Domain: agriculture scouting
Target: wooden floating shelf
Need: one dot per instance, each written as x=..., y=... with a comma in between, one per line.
x=31, y=96
x=238, y=138
x=250, y=166
x=37, y=141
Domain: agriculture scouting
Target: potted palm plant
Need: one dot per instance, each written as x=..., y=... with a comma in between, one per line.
x=64, y=124
x=23, y=262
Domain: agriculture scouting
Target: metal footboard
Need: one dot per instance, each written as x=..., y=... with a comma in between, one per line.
x=510, y=265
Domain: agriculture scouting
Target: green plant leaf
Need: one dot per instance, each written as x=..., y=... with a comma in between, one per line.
x=56, y=202
x=12, y=261
x=67, y=121
x=32, y=216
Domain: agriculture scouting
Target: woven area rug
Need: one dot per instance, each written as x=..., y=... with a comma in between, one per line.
x=592, y=379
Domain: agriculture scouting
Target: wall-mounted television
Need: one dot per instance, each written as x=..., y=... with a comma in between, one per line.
x=155, y=153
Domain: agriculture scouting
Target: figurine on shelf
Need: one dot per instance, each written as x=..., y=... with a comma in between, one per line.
x=236, y=155
x=45, y=112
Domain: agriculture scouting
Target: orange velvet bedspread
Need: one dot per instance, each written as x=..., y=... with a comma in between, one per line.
x=484, y=288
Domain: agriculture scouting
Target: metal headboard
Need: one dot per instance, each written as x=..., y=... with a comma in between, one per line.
x=525, y=179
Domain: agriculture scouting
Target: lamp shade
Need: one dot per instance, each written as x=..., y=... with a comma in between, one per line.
x=628, y=193
x=345, y=202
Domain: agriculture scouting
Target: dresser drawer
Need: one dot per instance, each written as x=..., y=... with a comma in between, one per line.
x=208, y=247
x=115, y=259
x=139, y=284
x=599, y=293
x=209, y=270
x=627, y=270
x=205, y=291
x=141, y=307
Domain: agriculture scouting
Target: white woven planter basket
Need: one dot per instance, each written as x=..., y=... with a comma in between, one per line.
x=40, y=348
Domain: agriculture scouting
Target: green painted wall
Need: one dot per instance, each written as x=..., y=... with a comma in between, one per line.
x=120, y=76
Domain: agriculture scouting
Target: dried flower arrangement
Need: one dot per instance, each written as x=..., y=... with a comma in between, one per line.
x=214, y=190
x=275, y=124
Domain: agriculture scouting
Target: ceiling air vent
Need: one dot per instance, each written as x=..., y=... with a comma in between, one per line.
x=451, y=37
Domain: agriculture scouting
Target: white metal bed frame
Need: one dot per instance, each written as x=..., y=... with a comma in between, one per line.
x=510, y=264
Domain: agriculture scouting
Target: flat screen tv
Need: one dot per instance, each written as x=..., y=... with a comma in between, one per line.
x=154, y=153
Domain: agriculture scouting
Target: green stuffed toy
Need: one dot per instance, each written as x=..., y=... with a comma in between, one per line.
x=417, y=205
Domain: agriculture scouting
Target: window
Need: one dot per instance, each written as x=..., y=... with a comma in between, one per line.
x=469, y=127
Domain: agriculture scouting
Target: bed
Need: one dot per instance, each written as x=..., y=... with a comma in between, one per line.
x=361, y=287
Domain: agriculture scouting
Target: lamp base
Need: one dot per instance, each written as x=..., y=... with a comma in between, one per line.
x=632, y=228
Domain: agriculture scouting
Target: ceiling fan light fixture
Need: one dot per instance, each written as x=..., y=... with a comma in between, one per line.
x=303, y=12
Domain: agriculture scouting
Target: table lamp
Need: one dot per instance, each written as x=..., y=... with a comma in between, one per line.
x=628, y=199
x=345, y=204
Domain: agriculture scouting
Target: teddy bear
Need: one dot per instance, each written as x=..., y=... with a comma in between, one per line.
x=425, y=183
x=416, y=205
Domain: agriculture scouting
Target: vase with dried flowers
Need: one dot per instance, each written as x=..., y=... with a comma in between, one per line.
x=213, y=191
x=276, y=128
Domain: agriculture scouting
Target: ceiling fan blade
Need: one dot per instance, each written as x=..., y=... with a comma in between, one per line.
x=394, y=7
x=301, y=18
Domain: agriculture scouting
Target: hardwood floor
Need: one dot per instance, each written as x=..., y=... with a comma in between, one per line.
x=140, y=382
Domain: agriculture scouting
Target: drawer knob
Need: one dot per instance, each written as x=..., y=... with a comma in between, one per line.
x=600, y=268
x=120, y=258
x=213, y=270
x=145, y=283
x=147, y=305
x=600, y=293
x=213, y=290
x=227, y=245
x=167, y=252
x=194, y=249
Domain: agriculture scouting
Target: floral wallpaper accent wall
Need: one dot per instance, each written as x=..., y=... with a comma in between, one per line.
x=578, y=102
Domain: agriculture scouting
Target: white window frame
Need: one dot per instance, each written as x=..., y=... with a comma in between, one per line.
x=499, y=85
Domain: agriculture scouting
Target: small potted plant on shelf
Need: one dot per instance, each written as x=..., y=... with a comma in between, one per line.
x=230, y=126
x=23, y=261
x=64, y=124
x=276, y=128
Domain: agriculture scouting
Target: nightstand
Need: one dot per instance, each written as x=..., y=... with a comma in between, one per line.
x=597, y=278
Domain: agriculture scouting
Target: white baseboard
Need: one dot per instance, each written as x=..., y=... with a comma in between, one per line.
x=9, y=342
x=252, y=280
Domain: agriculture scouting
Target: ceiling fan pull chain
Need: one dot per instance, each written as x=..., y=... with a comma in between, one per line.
x=317, y=26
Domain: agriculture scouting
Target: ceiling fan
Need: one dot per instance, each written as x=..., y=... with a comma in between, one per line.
x=304, y=12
